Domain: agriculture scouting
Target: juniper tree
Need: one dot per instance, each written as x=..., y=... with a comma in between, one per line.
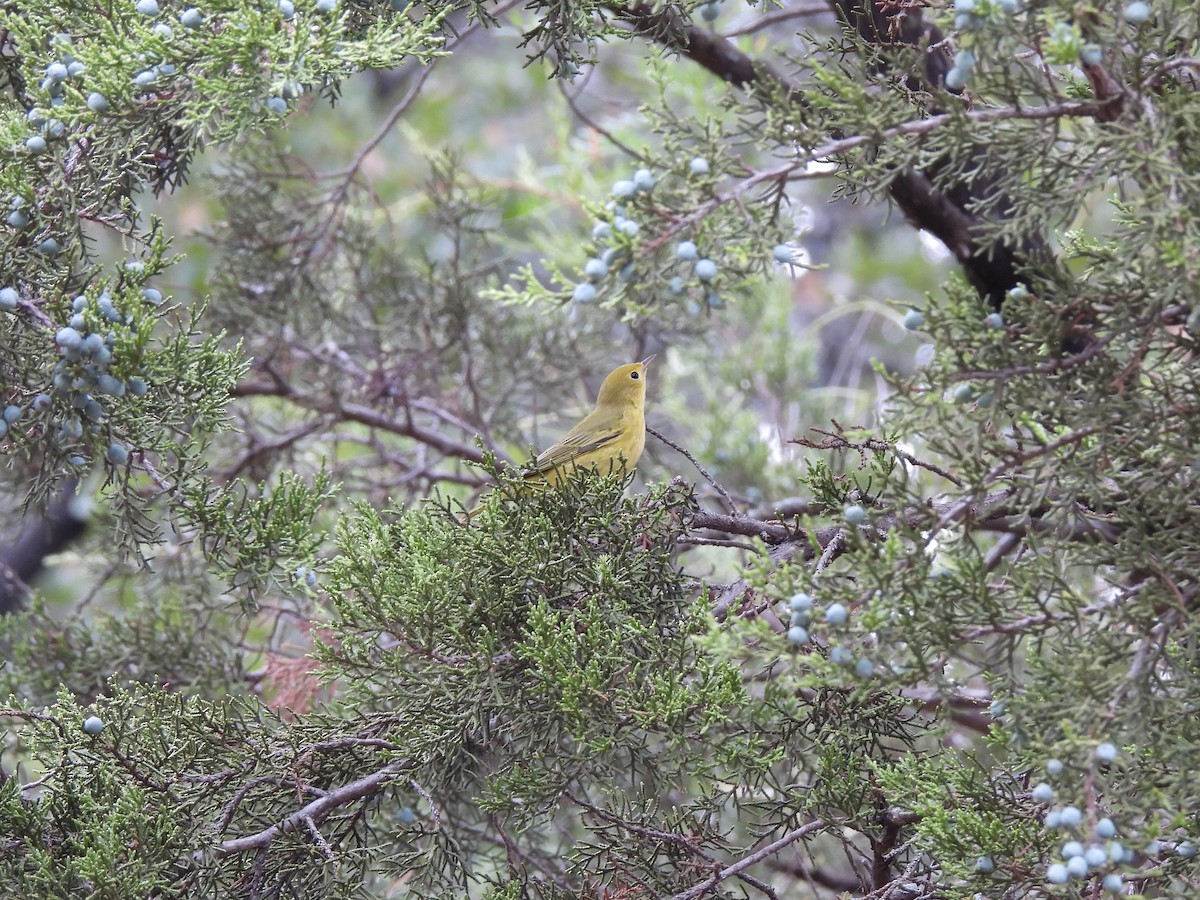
x=922, y=635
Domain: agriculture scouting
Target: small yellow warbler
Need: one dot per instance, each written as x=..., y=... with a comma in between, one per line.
x=610, y=438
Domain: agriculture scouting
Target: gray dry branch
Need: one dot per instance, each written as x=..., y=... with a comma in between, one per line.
x=312, y=814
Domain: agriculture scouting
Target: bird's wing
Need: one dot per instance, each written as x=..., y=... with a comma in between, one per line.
x=571, y=447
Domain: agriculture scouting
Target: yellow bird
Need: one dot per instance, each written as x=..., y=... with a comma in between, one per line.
x=611, y=435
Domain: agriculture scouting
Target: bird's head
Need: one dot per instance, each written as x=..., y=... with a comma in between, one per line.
x=625, y=385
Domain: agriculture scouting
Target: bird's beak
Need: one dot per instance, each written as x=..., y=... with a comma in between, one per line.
x=646, y=361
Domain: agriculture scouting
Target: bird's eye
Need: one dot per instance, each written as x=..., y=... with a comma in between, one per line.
x=634, y=375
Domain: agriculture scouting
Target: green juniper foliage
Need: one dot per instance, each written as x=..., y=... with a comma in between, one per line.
x=273, y=275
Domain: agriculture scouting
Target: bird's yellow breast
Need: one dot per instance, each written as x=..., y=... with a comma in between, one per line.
x=624, y=439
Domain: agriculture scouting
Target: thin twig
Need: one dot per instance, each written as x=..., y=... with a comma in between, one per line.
x=703, y=471
x=365, y=415
x=319, y=839
x=777, y=17
x=414, y=91
x=669, y=837
x=596, y=126
x=746, y=862
x=434, y=809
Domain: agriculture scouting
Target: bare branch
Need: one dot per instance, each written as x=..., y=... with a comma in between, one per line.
x=703, y=471
x=365, y=415
x=317, y=810
x=319, y=839
x=746, y=862
x=771, y=19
